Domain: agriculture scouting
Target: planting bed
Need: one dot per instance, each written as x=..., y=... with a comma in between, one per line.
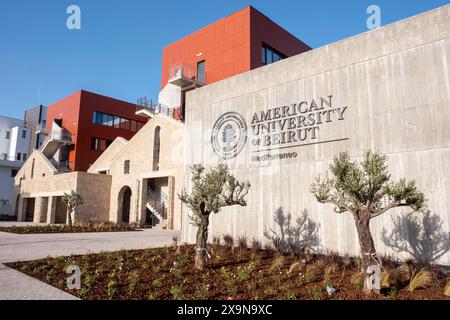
x=102, y=227
x=238, y=273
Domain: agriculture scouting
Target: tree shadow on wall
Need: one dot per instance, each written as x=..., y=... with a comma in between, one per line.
x=301, y=233
x=422, y=237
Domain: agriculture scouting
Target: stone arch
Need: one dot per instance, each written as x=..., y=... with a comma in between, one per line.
x=156, y=147
x=124, y=204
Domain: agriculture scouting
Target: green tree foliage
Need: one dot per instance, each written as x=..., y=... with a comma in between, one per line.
x=72, y=201
x=211, y=191
x=365, y=190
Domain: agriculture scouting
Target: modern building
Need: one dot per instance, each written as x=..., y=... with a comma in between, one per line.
x=81, y=126
x=240, y=42
x=35, y=120
x=14, y=151
x=279, y=126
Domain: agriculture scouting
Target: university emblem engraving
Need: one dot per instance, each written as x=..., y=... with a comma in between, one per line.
x=229, y=135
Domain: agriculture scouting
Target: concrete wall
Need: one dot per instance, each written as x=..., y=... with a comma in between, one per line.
x=394, y=82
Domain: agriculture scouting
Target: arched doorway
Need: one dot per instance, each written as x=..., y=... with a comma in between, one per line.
x=124, y=204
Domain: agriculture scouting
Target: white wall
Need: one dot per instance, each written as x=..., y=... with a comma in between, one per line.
x=6, y=186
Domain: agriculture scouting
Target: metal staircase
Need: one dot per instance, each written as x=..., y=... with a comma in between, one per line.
x=157, y=205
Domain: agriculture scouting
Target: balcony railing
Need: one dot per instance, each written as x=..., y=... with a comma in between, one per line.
x=182, y=70
x=145, y=103
x=4, y=157
x=60, y=135
x=63, y=165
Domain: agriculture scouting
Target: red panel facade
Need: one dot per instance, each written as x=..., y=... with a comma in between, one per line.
x=230, y=46
x=77, y=113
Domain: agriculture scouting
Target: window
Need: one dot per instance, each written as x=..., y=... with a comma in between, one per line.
x=270, y=55
x=124, y=124
x=126, y=167
x=116, y=122
x=24, y=157
x=19, y=156
x=99, y=144
x=14, y=172
x=4, y=156
x=133, y=126
x=8, y=134
x=32, y=170
x=24, y=134
x=201, y=74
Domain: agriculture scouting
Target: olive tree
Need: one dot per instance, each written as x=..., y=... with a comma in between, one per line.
x=211, y=191
x=72, y=201
x=366, y=191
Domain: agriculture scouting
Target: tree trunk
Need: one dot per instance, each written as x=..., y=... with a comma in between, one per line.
x=202, y=238
x=366, y=243
x=69, y=218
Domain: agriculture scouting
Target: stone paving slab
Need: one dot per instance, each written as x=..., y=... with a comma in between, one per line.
x=15, y=285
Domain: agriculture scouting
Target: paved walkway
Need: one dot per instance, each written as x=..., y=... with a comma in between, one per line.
x=15, y=247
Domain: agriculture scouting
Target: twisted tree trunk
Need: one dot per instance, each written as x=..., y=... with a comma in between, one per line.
x=69, y=218
x=202, y=238
x=368, y=252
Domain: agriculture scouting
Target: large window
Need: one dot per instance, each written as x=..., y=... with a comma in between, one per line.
x=270, y=55
x=116, y=122
x=99, y=144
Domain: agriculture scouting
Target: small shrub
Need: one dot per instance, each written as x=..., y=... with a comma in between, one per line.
x=176, y=292
x=133, y=278
x=229, y=241
x=309, y=274
x=112, y=289
x=158, y=282
x=292, y=250
x=447, y=290
x=216, y=240
x=278, y=263
x=295, y=267
x=242, y=242
x=422, y=279
x=327, y=274
x=256, y=245
x=291, y=295
x=358, y=280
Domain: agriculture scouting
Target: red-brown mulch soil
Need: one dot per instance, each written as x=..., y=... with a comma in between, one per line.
x=167, y=273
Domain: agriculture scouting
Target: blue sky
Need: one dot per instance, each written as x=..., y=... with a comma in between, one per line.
x=117, y=52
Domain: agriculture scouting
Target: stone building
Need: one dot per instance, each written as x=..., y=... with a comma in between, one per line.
x=133, y=181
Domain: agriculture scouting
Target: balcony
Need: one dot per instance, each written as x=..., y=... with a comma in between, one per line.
x=55, y=139
x=183, y=75
x=10, y=161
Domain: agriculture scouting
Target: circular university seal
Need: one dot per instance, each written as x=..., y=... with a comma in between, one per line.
x=229, y=135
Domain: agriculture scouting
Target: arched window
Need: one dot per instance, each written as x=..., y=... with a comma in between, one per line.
x=156, y=148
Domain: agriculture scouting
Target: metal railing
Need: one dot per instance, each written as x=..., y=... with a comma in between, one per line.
x=5, y=157
x=145, y=103
x=62, y=165
x=158, y=201
x=62, y=135
x=184, y=70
